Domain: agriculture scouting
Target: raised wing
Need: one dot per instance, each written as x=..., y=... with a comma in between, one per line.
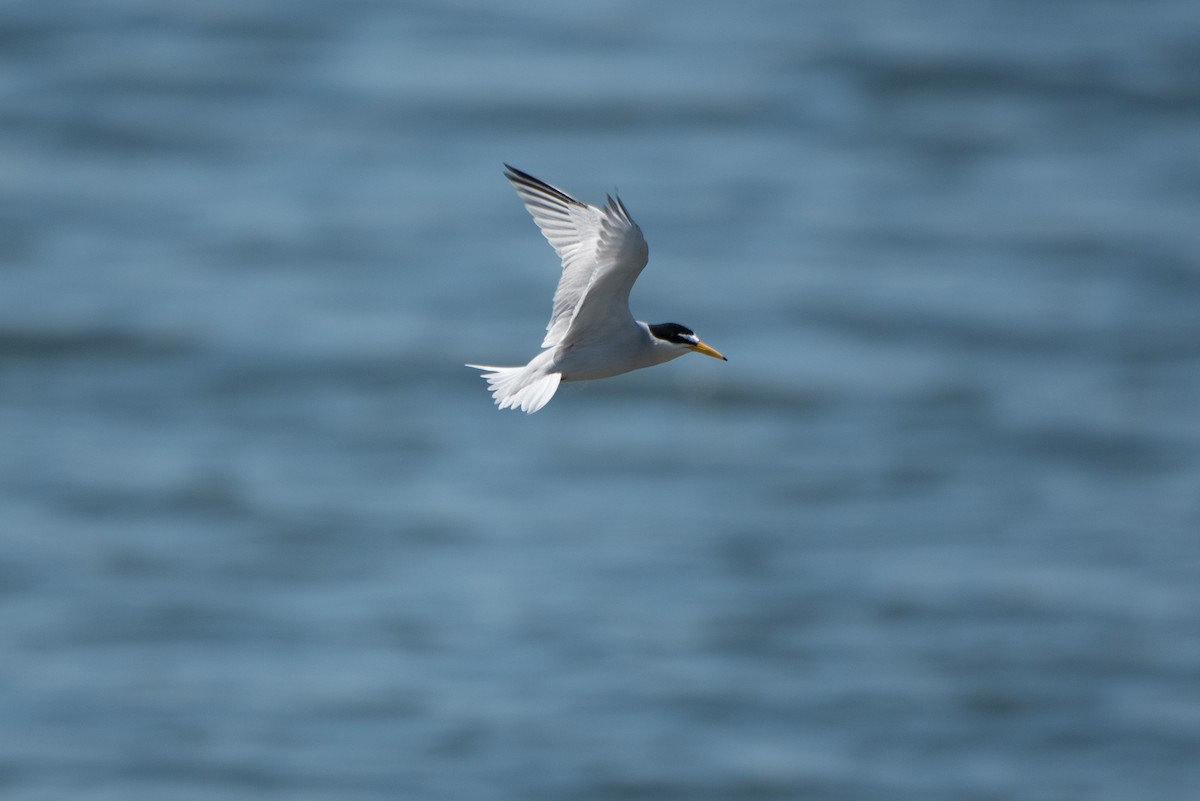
x=602, y=252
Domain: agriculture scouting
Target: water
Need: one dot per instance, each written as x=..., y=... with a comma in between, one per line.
x=931, y=532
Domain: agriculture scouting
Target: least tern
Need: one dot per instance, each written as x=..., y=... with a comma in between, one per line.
x=591, y=333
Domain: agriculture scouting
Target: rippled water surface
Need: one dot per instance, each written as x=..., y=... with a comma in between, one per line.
x=932, y=532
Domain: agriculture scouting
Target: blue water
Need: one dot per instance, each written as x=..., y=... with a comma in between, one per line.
x=933, y=532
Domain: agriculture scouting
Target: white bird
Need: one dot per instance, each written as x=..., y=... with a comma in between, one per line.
x=591, y=333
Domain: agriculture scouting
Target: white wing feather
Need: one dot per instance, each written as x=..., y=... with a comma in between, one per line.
x=602, y=251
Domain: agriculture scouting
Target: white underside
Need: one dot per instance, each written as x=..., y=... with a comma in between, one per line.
x=531, y=386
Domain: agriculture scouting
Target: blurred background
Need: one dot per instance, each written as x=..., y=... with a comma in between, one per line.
x=931, y=533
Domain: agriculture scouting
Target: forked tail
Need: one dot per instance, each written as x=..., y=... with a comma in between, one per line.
x=525, y=388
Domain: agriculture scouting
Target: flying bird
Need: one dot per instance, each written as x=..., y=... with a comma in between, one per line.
x=591, y=333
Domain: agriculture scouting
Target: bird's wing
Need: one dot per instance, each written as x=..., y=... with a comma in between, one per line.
x=602, y=251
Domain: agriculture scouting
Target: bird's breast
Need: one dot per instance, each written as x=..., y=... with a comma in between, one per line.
x=612, y=355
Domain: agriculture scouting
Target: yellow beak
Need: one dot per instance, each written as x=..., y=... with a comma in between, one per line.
x=700, y=347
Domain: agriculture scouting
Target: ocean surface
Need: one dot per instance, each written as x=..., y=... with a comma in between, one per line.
x=933, y=532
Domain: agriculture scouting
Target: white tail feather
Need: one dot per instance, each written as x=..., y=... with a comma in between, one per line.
x=525, y=388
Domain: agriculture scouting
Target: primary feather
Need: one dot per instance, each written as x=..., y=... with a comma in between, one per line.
x=602, y=251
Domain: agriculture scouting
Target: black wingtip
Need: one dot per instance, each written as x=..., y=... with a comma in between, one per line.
x=522, y=178
x=513, y=174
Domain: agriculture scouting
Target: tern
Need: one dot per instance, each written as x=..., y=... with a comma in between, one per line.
x=591, y=333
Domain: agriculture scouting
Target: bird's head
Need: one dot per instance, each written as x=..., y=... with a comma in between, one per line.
x=674, y=335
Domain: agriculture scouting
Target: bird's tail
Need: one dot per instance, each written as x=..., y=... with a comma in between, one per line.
x=526, y=388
